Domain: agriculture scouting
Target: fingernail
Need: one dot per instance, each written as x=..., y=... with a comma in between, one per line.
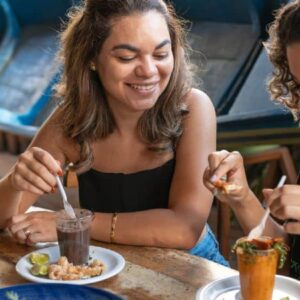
x=213, y=178
x=60, y=173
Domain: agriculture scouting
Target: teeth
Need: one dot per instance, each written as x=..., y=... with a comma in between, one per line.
x=142, y=87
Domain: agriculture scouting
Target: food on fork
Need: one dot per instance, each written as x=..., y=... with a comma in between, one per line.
x=226, y=187
x=258, y=260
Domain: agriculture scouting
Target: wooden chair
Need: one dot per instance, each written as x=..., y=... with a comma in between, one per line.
x=277, y=158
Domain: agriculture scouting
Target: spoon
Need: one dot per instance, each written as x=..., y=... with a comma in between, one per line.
x=67, y=206
x=258, y=229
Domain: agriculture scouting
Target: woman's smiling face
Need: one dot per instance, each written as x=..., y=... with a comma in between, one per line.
x=136, y=61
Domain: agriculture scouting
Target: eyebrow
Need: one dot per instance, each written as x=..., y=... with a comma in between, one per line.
x=135, y=49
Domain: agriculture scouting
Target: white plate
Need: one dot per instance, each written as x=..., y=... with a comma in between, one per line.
x=113, y=262
x=228, y=289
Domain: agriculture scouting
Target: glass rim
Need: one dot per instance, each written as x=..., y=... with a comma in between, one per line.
x=245, y=238
x=61, y=215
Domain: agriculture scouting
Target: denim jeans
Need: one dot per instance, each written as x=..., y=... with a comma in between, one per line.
x=208, y=248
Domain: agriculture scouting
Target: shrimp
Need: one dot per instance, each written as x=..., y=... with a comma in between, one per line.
x=226, y=187
x=55, y=272
x=64, y=263
x=63, y=270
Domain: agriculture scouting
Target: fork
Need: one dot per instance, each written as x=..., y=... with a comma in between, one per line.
x=67, y=206
x=258, y=229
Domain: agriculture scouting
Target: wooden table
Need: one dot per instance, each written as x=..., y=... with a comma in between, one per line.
x=150, y=273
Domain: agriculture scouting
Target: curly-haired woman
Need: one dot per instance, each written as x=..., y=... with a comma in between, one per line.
x=131, y=124
x=284, y=51
x=283, y=48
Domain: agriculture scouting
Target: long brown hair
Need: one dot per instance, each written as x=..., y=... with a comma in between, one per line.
x=284, y=31
x=85, y=111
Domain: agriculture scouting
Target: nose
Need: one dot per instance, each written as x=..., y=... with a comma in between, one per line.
x=146, y=68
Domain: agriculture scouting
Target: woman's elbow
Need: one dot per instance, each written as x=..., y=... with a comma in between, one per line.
x=188, y=238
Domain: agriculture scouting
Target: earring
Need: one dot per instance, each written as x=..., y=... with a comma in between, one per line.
x=92, y=67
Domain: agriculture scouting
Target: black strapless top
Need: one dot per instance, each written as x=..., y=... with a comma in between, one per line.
x=118, y=192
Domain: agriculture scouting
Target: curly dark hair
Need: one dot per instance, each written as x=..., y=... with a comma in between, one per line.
x=284, y=31
x=86, y=113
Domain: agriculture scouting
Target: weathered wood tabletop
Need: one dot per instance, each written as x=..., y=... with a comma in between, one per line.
x=149, y=273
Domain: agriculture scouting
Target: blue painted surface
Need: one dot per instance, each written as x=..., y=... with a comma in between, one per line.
x=227, y=32
x=233, y=11
x=10, y=35
x=228, y=36
x=57, y=292
x=253, y=108
x=29, y=116
x=31, y=12
x=28, y=70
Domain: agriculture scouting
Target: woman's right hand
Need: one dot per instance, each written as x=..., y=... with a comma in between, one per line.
x=35, y=172
x=229, y=164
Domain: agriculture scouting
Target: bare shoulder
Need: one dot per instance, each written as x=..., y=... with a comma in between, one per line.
x=199, y=125
x=51, y=138
x=198, y=103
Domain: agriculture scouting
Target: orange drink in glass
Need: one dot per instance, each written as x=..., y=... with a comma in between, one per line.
x=258, y=260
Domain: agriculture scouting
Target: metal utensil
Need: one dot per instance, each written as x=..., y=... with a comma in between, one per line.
x=258, y=230
x=67, y=206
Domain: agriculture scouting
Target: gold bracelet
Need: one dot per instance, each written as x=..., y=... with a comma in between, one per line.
x=113, y=227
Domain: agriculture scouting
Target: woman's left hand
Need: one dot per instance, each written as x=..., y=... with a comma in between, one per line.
x=33, y=227
x=284, y=204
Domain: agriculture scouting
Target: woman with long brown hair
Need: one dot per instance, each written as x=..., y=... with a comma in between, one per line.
x=132, y=126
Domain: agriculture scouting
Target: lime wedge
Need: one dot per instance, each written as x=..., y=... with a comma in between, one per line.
x=43, y=270
x=35, y=270
x=39, y=270
x=39, y=258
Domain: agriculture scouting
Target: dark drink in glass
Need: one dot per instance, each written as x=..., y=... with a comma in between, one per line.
x=74, y=235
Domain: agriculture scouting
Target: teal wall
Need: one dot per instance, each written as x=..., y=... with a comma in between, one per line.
x=257, y=12
x=30, y=12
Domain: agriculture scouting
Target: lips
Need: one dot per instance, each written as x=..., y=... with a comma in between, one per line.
x=142, y=87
